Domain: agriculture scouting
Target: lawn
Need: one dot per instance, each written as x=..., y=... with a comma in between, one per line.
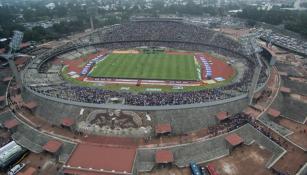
x=147, y=66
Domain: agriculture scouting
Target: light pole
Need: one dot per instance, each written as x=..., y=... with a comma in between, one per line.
x=92, y=12
x=251, y=47
x=14, y=46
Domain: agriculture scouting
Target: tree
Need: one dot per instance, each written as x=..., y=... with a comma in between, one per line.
x=251, y=22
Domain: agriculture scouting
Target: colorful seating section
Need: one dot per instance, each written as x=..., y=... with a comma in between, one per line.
x=88, y=67
x=205, y=66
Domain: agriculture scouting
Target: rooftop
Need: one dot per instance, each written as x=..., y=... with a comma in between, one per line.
x=21, y=61
x=273, y=112
x=12, y=123
x=222, y=116
x=52, y=146
x=6, y=79
x=257, y=96
x=30, y=105
x=164, y=156
x=109, y=159
x=163, y=128
x=2, y=98
x=234, y=139
x=283, y=73
x=285, y=90
x=68, y=122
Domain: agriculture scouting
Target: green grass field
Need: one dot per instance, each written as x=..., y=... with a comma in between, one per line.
x=147, y=66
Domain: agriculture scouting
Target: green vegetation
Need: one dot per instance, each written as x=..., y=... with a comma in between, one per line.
x=133, y=88
x=147, y=66
x=294, y=21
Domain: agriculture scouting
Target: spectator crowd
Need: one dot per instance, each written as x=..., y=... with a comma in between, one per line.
x=172, y=34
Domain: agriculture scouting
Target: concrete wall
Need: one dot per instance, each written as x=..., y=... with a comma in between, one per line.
x=186, y=120
x=182, y=120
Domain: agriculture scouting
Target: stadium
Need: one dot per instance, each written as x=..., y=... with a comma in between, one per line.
x=150, y=94
x=191, y=69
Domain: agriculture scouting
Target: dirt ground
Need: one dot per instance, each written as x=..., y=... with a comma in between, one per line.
x=292, y=161
x=300, y=131
x=244, y=160
x=169, y=171
x=220, y=68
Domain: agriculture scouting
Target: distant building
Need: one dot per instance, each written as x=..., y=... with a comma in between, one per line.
x=50, y=6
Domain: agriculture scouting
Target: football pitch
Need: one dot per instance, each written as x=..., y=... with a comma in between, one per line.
x=147, y=66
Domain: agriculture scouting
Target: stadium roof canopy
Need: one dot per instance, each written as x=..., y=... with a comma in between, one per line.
x=164, y=156
x=17, y=98
x=52, y=146
x=30, y=105
x=234, y=139
x=21, y=61
x=163, y=128
x=10, y=124
x=273, y=112
x=285, y=90
x=2, y=98
x=7, y=79
x=68, y=122
x=258, y=107
x=248, y=111
x=283, y=74
x=90, y=158
x=222, y=116
x=257, y=96
x=2, y=50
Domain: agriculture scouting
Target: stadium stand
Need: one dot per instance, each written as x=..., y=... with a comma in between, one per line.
x=291, y=108
x=34, y=141
x=52, y=111
x=289, y=69
x=295, y=86
x=198, y=117
x=276, y=127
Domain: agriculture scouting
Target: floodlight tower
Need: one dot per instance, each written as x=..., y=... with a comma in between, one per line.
x=269, y=42
x=92, y=12
x=14, y=46
x=251, y=47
